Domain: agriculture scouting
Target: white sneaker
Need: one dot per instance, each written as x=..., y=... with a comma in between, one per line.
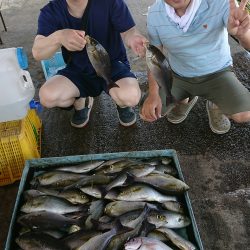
x=218, y=122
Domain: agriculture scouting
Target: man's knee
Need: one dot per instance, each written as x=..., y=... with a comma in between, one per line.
x=132, y=98
x=128, y=94
x=241, y=117
x=47, y=97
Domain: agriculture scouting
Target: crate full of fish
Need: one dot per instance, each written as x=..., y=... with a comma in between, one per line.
x=126, y=200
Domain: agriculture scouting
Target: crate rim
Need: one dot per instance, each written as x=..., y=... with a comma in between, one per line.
x=81, y=158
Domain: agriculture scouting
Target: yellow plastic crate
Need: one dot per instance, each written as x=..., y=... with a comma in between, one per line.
x=19, y=141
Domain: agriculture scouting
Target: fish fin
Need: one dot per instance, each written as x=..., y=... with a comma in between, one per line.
x=130, y=179
x=102, y=226
x=35, y=183
x=80, y=221
x=83, y=212
x=119, y=228
x=71, y=186
x=146, y=228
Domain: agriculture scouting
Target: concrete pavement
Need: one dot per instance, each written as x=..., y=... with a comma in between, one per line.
x=217, y=167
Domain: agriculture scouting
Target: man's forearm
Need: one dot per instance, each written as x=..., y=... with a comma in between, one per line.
x=152, y=85
x=244, y=40
x=128, y=34
x=45, y=47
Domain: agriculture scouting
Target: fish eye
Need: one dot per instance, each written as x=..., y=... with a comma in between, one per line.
x=111, y=166
x=179, y=219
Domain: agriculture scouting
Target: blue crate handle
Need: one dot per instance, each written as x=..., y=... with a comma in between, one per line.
x=22, y=58
x=36, y=105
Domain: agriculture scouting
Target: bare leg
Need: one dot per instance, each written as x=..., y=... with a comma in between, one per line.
x=128, y=94
x=58, y=91
x=241, y=117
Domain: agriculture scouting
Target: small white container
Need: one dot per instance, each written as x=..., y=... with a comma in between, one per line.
x=16, y=86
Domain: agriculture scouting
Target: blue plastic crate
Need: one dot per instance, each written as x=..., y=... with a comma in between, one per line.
x=52, y=65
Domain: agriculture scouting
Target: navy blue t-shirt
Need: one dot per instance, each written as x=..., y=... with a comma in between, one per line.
x=107, y=19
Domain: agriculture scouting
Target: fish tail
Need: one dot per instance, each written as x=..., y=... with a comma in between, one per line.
x=104, y=191
x=119, y=228
x=130, y=179
x=81, y=220
x=102, y=226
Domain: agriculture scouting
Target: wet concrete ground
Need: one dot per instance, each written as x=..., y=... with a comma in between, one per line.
x=217, y=167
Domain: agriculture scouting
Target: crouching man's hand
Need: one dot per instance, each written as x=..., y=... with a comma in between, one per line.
x=134, y=40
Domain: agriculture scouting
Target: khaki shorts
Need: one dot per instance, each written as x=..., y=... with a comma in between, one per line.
x=222, y=88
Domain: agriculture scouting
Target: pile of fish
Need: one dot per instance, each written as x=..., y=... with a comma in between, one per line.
x=125, y=203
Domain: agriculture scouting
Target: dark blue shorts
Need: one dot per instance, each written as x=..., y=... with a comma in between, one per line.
x=92, y=84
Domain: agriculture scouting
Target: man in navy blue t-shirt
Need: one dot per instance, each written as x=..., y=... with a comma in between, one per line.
x=61, y=25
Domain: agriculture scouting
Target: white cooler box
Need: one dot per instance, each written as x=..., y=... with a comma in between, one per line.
x=16, y=87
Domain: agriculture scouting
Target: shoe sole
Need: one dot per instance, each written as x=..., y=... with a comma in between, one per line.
x=86, y=122
x=81, y=125
x=127, y=124
x=188, y=110
x=211, y=127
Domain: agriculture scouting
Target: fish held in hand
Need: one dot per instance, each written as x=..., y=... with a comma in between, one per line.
x=100, y=60
x=161, y=71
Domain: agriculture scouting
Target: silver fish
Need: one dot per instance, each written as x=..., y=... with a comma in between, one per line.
x=162, y=182
x=177, y=239
x=110, y=162
x=157, y=235
x=168, y=219
x=50, y=204
x=100, y=60
x=174, y=206
x=140, y=192
x=95, y=210
x=39, y=241
x=117, y=167
x=166, y=169
x=100, y=242
x=117, y=208
x=93, y=191
x=31, y=193
x=46, y=220
x=81, y=168
x=96, y=179
x=77, y=239
x=57, y=178
x=140, y=170
x=145, y=243
x=142, y=225
x=75, y=196
x=160, y=69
